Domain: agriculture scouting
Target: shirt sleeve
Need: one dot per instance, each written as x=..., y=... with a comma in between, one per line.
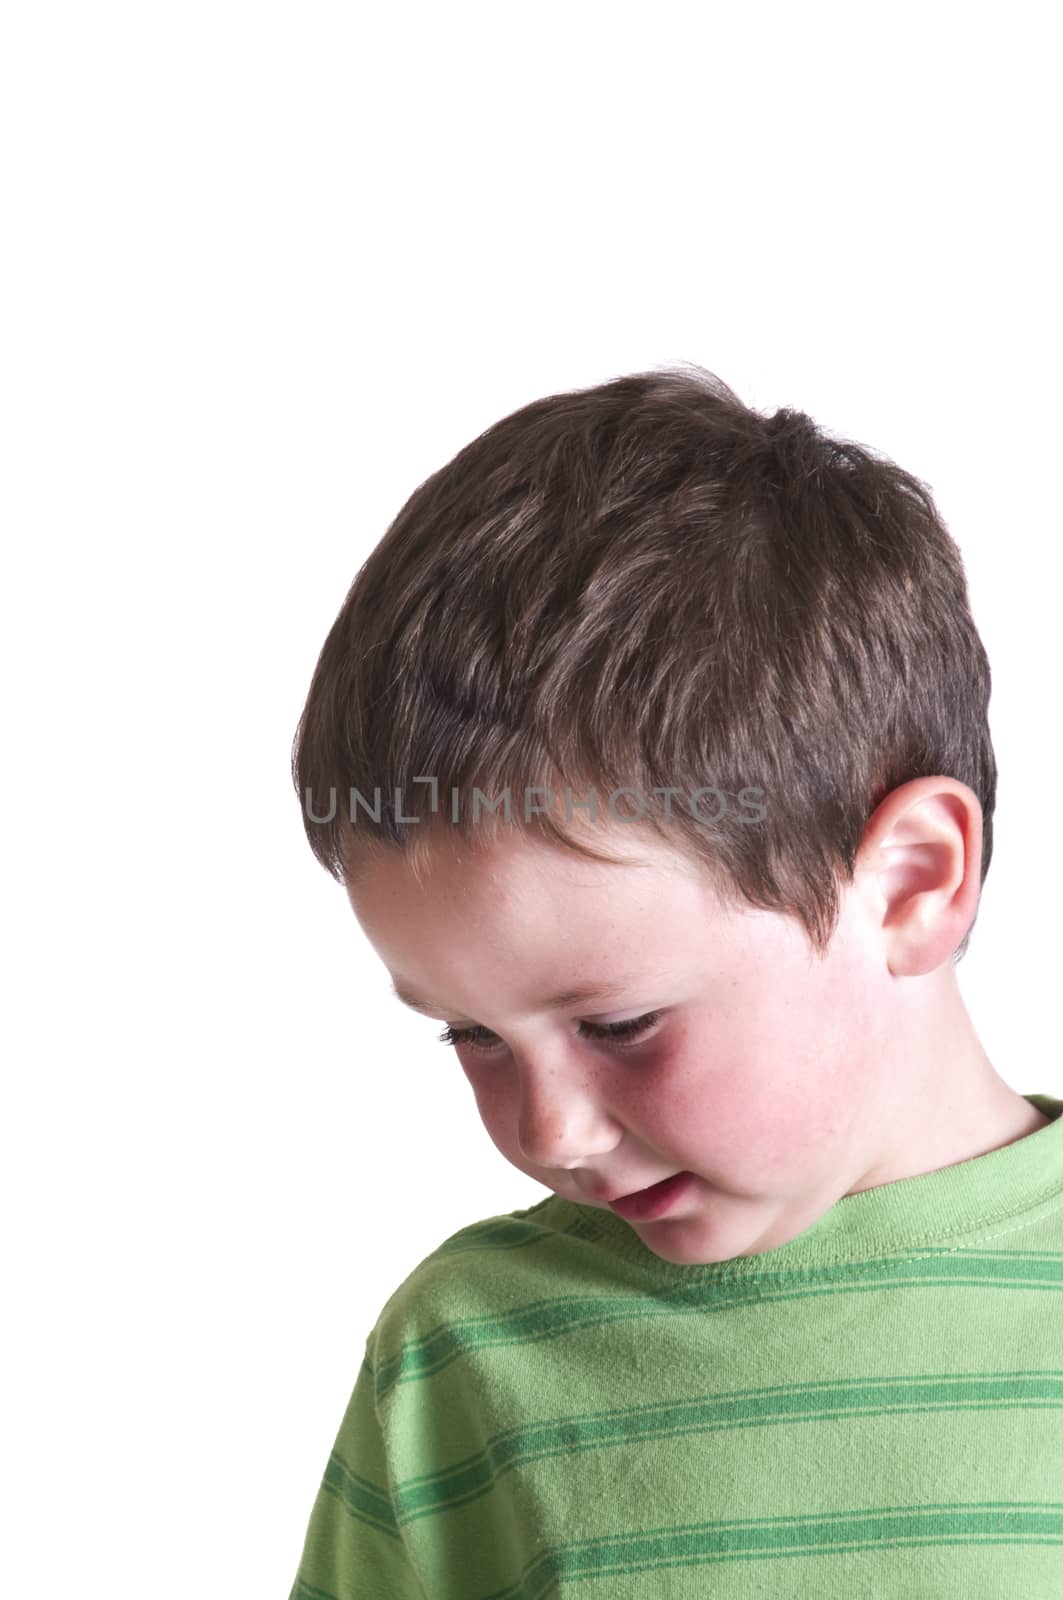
x=354, y=1548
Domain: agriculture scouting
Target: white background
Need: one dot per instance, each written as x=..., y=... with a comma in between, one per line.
x=265, y=268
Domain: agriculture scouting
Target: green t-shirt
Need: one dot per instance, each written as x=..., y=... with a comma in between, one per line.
x=873, y=1409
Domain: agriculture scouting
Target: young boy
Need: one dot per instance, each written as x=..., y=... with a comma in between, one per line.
x=651, y=747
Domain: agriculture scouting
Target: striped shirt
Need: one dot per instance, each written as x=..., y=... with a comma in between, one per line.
x=872, y=1409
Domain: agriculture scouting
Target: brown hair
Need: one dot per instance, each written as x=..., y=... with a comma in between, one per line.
x=647, y=585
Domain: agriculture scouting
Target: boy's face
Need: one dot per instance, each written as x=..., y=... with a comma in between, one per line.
x=771, y=1074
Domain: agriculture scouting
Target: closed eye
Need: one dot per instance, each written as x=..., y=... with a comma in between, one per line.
x=632, y=1029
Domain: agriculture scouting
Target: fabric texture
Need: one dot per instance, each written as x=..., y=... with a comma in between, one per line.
x=873, y=1409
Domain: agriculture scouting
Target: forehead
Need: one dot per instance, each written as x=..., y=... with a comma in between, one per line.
x=521, y=926
x=526, y=913
x=510, y=861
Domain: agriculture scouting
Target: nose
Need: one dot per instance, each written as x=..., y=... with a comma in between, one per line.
x=562, y=1120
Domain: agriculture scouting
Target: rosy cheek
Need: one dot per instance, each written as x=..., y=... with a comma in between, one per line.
x=688, y=1087
x=657, y=1087
x=490, y=1087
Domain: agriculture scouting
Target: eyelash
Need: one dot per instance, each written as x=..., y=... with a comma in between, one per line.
x=616, y=1032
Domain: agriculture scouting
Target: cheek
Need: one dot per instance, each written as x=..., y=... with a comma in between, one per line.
x=498, y=1104
x=749, y=1106
x=493, y=1092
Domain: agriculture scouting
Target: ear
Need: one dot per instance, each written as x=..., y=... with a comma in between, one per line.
x=920, y=862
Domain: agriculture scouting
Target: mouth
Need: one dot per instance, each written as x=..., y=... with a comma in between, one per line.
x=648, y=1204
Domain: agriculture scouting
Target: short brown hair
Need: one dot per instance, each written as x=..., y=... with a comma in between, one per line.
x=647, y=585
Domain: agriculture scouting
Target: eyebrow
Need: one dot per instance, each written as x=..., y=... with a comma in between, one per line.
x=568, y=997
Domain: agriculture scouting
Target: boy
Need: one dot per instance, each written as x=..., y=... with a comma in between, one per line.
x=659, y=731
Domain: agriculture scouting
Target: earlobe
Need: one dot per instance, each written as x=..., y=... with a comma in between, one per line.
x=923, y=848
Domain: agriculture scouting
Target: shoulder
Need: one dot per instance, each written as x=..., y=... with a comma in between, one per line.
x=480, y=1272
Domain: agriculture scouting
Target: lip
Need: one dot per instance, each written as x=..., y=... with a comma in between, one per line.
x=648, y=1204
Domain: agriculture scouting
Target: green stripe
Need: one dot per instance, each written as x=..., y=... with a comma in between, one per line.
x=366, y=1501
x=302, y=1590
x=632, y=1426
x=557, y=1315
x=990, y=1522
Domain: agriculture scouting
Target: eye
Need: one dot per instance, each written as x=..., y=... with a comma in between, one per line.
x=633, y=1029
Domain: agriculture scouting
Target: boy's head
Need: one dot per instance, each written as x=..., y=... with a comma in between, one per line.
x=644, y=686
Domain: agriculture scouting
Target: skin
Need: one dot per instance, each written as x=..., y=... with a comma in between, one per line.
x=783, y=1079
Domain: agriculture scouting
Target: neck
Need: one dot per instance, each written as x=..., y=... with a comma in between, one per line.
x=963, y=1107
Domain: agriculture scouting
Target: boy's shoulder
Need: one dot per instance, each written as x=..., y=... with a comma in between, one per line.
x=498, y=1263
